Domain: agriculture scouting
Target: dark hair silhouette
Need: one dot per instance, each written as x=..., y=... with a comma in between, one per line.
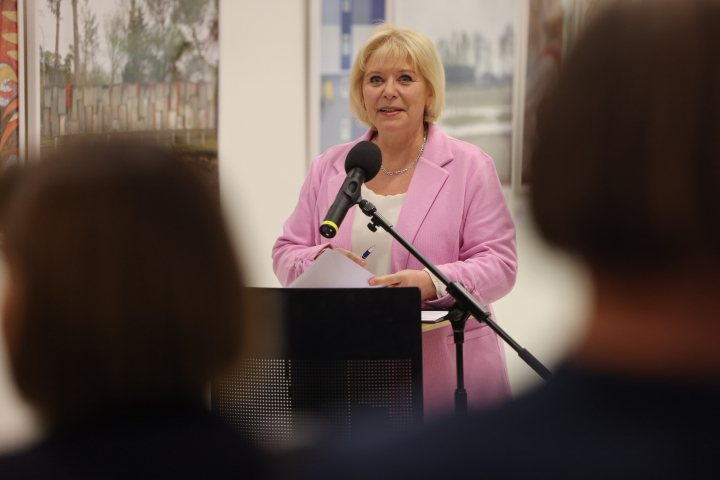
x=627, y=168
x=130, y=287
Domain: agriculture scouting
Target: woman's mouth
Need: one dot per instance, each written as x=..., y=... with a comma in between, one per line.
x=390, y=111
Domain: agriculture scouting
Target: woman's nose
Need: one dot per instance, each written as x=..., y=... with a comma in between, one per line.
x=390, y=89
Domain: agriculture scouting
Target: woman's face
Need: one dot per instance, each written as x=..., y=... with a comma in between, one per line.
x=395, y=96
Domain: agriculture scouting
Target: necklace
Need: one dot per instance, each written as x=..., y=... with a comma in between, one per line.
x=413, y=164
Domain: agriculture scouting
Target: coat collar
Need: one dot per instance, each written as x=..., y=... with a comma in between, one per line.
x=428, y=179
x=437, y=148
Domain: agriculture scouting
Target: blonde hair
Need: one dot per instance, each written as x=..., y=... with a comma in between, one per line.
x=397, y=45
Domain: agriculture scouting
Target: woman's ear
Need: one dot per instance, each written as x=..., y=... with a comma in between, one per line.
x=428, y=104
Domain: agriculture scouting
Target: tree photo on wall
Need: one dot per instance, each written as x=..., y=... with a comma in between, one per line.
x=144, y=68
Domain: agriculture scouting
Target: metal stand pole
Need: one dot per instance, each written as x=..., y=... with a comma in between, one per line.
x=465, y=305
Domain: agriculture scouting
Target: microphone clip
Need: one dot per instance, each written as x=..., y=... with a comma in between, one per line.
x=369, y=210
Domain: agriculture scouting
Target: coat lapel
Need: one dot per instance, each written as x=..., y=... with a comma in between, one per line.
x=428, y=179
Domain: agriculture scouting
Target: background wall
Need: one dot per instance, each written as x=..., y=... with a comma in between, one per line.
x=262, y=150
x=262, y=125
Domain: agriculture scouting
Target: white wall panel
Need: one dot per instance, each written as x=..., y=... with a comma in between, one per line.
x=262, y=123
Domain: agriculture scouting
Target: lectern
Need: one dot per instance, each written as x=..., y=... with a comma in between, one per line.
x=325, y=361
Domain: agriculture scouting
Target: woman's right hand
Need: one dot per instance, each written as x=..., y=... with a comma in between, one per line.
x=355, y=258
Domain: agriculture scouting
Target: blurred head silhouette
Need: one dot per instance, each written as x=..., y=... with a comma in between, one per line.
x=627, y=172
x=627, y=175
x=123, y=285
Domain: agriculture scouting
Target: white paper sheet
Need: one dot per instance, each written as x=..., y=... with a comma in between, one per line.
x=432, y=316
x=332, y=269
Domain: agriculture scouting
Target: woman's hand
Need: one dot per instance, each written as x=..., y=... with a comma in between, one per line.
x=355, y=258
x=409, y=278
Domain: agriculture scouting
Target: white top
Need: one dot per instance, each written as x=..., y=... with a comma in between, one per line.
x=362, y=239
x=378, y=262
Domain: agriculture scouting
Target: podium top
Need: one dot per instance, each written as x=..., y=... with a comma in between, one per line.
x=330, y=323
x=426, y=327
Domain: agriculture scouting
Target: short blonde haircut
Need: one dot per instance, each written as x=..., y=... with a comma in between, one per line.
x=398, y=45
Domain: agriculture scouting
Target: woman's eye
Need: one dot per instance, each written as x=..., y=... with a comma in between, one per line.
x=406, y=78
x=375, y=79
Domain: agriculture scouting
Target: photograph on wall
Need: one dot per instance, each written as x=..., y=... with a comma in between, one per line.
x=137, y=69
x=475, y=40
x=345, y=26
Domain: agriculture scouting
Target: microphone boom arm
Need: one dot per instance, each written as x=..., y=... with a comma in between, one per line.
x=464, y=301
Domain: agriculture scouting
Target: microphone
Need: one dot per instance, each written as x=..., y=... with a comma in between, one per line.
x=362, y=164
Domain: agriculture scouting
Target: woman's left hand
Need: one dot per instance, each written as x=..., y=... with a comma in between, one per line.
x=409, y=278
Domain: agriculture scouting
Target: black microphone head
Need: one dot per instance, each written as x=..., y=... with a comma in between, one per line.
x=365, y=155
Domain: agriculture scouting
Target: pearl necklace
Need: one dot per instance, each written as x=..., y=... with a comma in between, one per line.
x=413, y=164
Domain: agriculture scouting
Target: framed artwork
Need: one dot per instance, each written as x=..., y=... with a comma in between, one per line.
x=9, y=85
x=144, y=69
x=476, y=40
x=337, y=30
x=499, y=57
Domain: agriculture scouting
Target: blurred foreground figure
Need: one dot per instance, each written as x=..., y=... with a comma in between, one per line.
x=123, y=300
x=627, y=176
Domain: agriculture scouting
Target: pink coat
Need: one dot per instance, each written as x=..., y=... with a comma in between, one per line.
x=455, y=214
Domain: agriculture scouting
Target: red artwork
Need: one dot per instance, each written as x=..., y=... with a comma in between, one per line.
x=8, y=83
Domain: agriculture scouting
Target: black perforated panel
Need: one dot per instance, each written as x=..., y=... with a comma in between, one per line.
x=326, y=362
x=254, y=399
x=282, y=402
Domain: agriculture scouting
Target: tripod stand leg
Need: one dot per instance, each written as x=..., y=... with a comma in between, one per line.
x=460, y=392
x=458, y=318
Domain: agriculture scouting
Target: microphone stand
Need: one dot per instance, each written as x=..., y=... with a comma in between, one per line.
x=465, y=306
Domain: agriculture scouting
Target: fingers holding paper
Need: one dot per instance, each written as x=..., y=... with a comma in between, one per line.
x=355, y=258
x=409, y=278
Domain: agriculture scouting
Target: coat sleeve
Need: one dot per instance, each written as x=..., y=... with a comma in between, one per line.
x=297, y=247
x=487, y=264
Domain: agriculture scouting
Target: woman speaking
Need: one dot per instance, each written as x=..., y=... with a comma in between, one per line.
x=442, y=194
